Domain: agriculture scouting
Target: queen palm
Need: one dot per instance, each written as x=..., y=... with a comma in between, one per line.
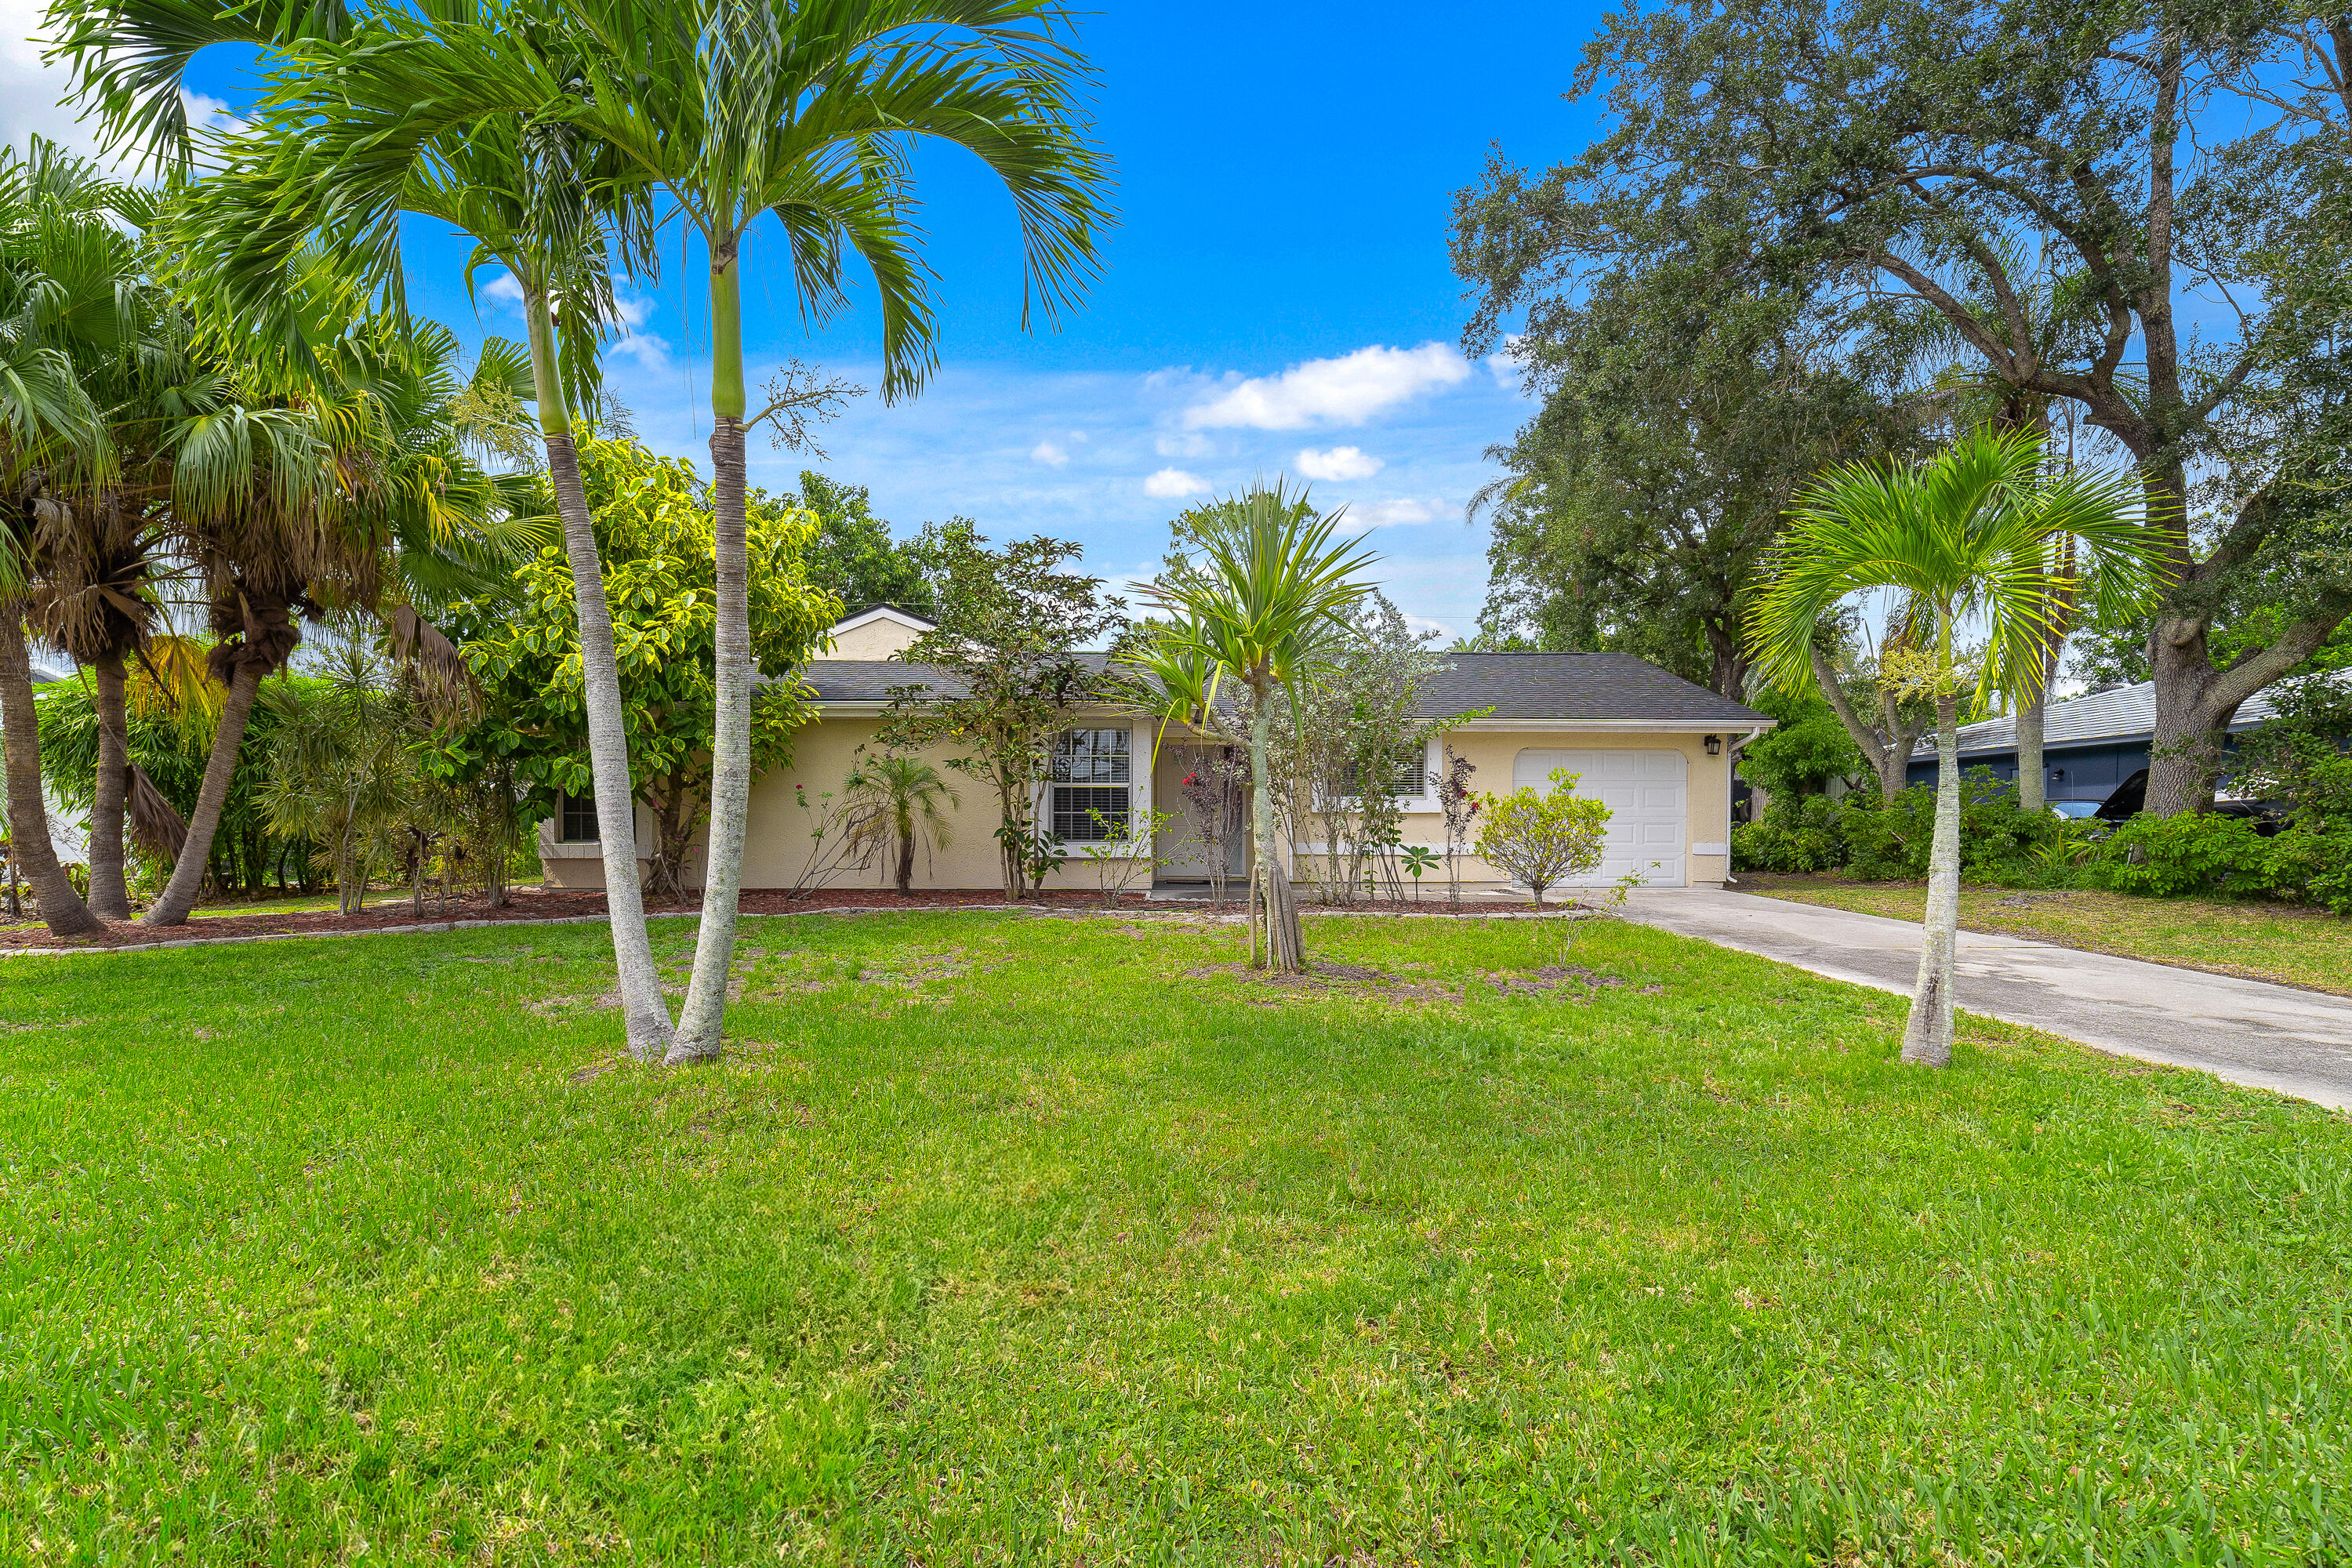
x=896, y=800
x=1262, y=595
x=1964, y=541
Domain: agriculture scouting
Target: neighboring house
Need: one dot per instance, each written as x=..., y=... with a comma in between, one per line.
x=1658, y=749
x=2089, y=745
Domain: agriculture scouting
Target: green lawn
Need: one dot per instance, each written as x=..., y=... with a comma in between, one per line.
x=2259, y=940
x=1001, y=1238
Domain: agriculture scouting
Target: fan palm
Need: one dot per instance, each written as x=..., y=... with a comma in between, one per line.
x=304, y=482
x=1962, y=540
x=1262, y=595
x=48, y=424
x=896, y=799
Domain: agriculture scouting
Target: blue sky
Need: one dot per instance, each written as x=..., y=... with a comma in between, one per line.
x=1276, y=296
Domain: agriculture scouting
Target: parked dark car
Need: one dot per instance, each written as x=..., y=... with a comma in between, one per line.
x=2131, y=798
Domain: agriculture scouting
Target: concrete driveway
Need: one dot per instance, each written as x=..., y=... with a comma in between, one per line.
x=2247, y=1031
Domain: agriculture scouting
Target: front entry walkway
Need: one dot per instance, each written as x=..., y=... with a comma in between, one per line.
x=2247, y=1031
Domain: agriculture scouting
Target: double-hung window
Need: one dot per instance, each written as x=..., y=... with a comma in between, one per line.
x=575, y=821
x=1090, y=791
x=1405, y=773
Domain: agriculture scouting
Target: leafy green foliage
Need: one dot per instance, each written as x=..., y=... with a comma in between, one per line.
x=853, y=556
x=1543, y=840
x=1796, y=833
x=171, y=745
x=1804, y=751
x=654, y=534
x=1998, y=840
x=2196, y=852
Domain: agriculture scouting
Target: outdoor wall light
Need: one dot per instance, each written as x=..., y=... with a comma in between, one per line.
x=1715, y=745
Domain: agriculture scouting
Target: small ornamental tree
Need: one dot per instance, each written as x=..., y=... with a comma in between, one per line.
x=1002, y=673
x=1542, y=840
x=652, y=532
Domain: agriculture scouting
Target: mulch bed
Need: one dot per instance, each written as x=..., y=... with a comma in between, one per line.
x=393, y=913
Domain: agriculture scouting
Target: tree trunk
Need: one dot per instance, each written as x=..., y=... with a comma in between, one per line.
x=1284, y=943
x=2030, y=792
x=645, y=1014
x=62, y=910
x=906, y=862
x=110, y=894
x=2184, y=754
x=702, y=1020
x=179, y=895
x=1927, y=1034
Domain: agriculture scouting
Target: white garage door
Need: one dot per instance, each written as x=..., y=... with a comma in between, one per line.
x=1648, y=798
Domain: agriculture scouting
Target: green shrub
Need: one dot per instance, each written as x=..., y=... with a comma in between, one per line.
x=2164, y=857
x=1797, y=833
x=1998, y=841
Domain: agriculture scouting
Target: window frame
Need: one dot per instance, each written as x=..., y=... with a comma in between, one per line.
x=566, y=803
x=1137, y=785
x=1425, y=798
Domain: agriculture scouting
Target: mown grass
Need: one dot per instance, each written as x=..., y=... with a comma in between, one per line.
x=2259, y=940
x=1001, y=1238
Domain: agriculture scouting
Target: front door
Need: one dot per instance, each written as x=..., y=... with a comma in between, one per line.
x=1191, y=785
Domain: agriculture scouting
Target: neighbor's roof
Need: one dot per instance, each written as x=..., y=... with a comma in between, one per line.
x=2125, y=713
x=1583, y=686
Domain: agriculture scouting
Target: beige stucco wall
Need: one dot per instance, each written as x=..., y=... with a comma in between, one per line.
x=778, y=843
x=878, y=638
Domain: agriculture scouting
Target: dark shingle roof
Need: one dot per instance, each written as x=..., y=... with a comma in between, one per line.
x=1514, y=684
x=1576, y=686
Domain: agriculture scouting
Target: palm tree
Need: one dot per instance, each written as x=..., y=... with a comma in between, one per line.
x=1263, y=594
x=319, y=164
x=49, y=422
x=328, y=478
x=732, y=109
x=1963, y=540
x=896, y=799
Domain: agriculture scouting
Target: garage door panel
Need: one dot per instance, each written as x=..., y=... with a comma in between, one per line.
x=1647, y=793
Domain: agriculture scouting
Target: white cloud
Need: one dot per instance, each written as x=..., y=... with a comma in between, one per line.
x=1048, y=453
x=1422, y=626
x=1504, y=363
x=1185, y=444
x=1338, y=464
x=650, y=350
x=1344, y=391
x=1397, y=513
x=1174, y=484
x=505, y=290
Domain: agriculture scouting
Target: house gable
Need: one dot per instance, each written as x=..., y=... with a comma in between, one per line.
x=875, y=634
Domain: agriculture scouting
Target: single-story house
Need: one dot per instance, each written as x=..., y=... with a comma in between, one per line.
x=2089, y=744
x=1658, y=749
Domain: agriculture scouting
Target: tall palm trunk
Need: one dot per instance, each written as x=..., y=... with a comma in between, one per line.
x=2030, y=795
x=700, y=1022
x=62, y=910
x=110, y=893
x=179, y=896
x=644, y=1014
x=1285, y=944
x=1927, y=1034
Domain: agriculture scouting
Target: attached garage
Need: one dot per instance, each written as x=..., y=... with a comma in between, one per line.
x=1648, y=796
